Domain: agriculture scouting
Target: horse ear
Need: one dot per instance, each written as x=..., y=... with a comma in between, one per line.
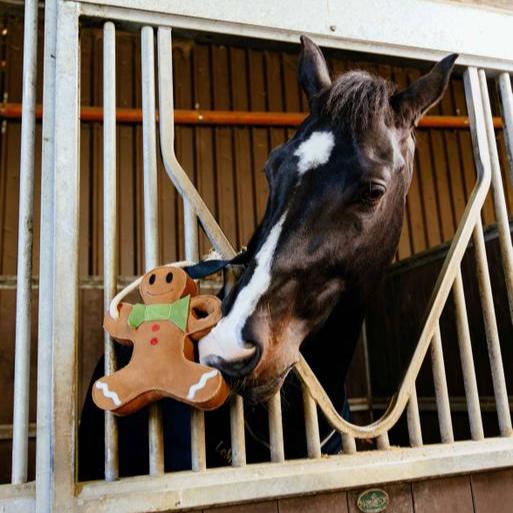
x=412, y=103
x=312, y=69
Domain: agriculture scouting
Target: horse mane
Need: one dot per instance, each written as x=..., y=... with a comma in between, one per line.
x=355, y=101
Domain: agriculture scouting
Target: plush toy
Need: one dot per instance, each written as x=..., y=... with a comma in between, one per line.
x=163, y=331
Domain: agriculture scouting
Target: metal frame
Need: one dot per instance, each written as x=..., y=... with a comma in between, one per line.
x=56, y=488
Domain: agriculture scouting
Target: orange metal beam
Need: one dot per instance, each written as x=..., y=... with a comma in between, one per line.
x=229, y=117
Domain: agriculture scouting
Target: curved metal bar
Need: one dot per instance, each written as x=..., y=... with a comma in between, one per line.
x=442, y=288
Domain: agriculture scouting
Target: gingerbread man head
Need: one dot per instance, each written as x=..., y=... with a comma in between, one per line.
x=163, y=330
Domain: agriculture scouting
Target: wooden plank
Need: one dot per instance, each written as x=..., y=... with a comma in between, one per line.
x=493, y=491
x=204, y=135
x=259, y=136
x=223, y=146
x=321, y=503
x=451, y=494
x=255, y=507
x=125, y=82
x=245, y=194
x=400, y=497
x=275, y=100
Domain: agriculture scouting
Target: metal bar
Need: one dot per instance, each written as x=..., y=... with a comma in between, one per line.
x=442, y=287
x=499, y=200
x=65, y=259
x=506, y=99
x=156, y=436
x=46, y=251
x=313, y=442
x=238, y=438
x=110, y=239
x=276, y=429
x=348, y=444
x=441, y=392
x=491, y=331
x=383, y=442
x=413, y=420
x=24, y=272
x=467, y=360
x=229, y=117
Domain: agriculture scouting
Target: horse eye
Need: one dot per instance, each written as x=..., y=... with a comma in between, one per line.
x=372, y=192
x=152, y=279
x=169, y=277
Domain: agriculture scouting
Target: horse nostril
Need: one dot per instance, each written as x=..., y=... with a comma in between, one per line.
x=235, y=368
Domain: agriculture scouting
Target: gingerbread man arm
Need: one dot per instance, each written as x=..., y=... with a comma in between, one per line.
x=205, y=312
x=119, y=328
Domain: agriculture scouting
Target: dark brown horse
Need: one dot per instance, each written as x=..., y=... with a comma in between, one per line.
x=337, y=192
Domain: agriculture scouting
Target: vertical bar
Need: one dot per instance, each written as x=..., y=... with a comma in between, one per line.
x=156, y=436
x=491, y=330
x=368, y=383
x=238, y=438
x=24, y=272
x=383, y=442
x=467, y=360
x=441, y=392
x=110, y=240
x=413, y=420
x=45, y=313
x=499, y=200
x=276, y=429
x=348, y=443
x=65, y=259
x=313, y=443
x=506, y=99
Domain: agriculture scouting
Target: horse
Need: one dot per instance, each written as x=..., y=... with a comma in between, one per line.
x=331, y=227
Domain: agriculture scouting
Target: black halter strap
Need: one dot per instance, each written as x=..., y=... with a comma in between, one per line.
x=208, y=267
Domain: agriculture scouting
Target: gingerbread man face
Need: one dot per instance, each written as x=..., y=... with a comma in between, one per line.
x=163, y=331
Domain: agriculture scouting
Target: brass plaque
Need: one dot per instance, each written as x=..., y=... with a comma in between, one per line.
x=373, y=501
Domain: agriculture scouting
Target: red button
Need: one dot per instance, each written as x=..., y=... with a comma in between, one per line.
x=154, y=341
x=155, y=327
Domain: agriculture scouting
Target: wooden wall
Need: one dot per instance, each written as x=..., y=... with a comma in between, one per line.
x=226, y=163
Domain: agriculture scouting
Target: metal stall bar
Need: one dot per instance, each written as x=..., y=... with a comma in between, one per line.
x=313, y=442
x=506, y=99
x=194, y=202
x=276, y=429
x=467, y=360
x=167, y=139
x=24, y=272
x=448, y=274
x=46, y=250
x=65, y=288
x=110, y=239
x=443, y=407
x=499, y=200
x=413, y=420
x=151, y=247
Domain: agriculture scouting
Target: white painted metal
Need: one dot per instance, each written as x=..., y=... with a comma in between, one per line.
x=110, y=239
x=45, y=315
x=383, y=442
x=25, y=223
x=467, y=360
x=238, y=437
x=413, y=420
x=479, y=35
x=65, y=261
x=348, y=444
x=276, y=429
x=313, y=441
x=506, y=97
x=151, y=248
x=440, y=383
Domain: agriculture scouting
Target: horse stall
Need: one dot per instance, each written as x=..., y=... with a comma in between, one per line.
x=141, y=141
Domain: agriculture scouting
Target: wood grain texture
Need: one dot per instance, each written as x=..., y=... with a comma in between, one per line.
x=493, y=491
x=448, y=495
x=323, y=503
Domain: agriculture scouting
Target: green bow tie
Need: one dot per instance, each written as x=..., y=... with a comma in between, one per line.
x=176, y=312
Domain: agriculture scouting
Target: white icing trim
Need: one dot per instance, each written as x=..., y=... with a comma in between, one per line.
x=201, y=383
x=109, y=394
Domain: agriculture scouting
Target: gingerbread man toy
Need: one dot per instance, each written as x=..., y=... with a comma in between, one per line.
x=163, y=331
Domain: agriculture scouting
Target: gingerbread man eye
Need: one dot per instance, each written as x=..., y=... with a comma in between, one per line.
x=152, y=279
x=169, y=277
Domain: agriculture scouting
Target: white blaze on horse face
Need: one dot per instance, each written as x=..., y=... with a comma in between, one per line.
x=225, y=340
x=315, y=151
